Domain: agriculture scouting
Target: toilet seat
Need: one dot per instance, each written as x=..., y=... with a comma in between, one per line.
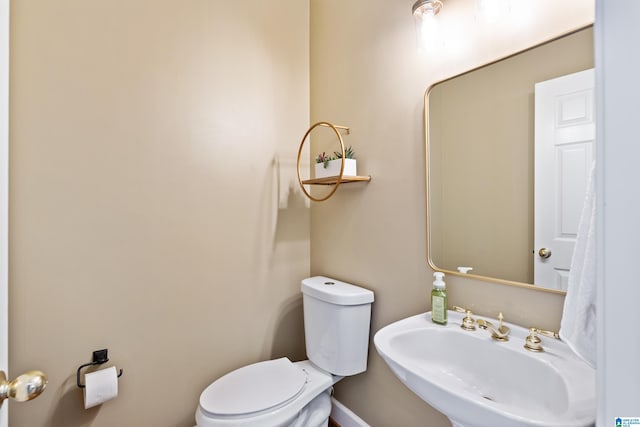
x=263, y=386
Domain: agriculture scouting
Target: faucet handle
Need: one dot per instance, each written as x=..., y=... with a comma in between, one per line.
x=533, y=341
x=549, y=334
x=468, y=323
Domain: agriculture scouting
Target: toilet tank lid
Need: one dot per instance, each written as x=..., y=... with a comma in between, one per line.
x=335, y=291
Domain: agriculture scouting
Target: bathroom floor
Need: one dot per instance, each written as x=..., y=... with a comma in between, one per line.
x=332, y=423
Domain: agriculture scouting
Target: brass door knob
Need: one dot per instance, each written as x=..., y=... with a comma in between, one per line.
x=544, y=253
x=26, y=387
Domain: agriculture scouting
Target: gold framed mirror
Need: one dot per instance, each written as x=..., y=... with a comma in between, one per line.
x=480, y=145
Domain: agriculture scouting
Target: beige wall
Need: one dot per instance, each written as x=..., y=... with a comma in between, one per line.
x=144, y=212
x=367, y=73
x=481, y=146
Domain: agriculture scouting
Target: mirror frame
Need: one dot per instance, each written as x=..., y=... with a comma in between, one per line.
x=428, y=170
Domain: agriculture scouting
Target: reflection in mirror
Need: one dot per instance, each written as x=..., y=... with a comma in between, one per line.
x=481, y=165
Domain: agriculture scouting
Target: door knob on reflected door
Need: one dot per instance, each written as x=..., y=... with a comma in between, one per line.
x=26, y=387
x=544, y=253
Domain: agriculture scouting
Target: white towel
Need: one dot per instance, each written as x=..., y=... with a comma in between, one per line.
x=578, y=326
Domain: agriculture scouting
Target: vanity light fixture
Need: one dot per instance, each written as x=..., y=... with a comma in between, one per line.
x=424, y=8
x=424, y=12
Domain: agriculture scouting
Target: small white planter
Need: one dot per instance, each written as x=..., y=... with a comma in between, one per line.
x=333, y=168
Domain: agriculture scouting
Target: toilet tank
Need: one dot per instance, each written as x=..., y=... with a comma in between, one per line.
x=337, y=316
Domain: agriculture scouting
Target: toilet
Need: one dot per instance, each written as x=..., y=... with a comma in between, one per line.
x=281, y=393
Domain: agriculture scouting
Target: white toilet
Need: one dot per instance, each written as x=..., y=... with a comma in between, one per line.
x=279, y=393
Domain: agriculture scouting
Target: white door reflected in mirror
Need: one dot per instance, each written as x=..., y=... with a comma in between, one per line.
x=564, y=137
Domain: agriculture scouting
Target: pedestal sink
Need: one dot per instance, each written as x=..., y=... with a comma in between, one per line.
x=479, y=382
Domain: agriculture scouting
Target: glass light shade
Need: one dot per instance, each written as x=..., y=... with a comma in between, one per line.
x=424, y=12
x=423, y=8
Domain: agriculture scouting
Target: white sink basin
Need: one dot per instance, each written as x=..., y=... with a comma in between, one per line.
x=479, y=382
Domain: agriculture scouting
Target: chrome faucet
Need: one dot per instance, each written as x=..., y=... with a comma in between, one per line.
x=500, y=333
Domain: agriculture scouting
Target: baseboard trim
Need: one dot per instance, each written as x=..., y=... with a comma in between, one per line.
x=344, y=417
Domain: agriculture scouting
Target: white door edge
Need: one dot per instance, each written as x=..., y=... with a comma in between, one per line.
x=4, y=196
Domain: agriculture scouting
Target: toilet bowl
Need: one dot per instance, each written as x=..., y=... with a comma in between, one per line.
x=281, y=393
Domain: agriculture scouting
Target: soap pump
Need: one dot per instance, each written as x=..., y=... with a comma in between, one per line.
x=439, y=299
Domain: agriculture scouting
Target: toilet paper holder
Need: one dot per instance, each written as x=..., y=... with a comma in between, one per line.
x=99, y=357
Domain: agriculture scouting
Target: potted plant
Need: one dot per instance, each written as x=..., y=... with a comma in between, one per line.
x=327, y=165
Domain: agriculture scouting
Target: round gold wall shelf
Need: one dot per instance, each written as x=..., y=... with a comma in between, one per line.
x=329, y=180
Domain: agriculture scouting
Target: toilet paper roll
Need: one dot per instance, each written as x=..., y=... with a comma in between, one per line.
x=100, y=386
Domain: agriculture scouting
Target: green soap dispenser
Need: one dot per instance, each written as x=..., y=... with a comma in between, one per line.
x=439, y=299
